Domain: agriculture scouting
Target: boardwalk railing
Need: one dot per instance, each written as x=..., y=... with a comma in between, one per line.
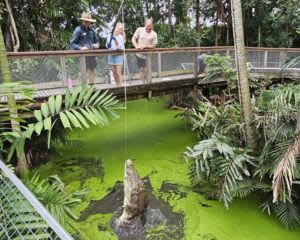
x=22, y=215
x=52, y=69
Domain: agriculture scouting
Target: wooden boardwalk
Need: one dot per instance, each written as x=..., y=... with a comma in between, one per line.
x=169, y=69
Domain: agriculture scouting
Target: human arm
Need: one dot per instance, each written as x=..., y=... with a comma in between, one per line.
x=74, y=40
x=96, y=40
x=135, y=37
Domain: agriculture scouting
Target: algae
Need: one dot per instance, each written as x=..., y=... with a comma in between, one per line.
x=150, y=135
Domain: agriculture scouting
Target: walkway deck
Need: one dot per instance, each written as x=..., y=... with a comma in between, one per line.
x=168, y=69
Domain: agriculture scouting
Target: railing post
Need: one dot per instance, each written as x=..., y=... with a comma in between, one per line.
x=159, y=65
x=266, y=59
x=82, y=70
x=195, y=62
x=63, y=72
x=149, y=68
x=282, y=58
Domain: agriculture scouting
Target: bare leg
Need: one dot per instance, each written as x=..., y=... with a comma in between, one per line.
x=143, y=74
x=119, y=79
x=90, y=76
x=114, y=71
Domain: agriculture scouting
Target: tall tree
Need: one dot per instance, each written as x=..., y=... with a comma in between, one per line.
x=15, y=124
x=240, y=56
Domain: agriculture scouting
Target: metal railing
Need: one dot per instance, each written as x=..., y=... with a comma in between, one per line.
x=22, y=216
x=52, y=69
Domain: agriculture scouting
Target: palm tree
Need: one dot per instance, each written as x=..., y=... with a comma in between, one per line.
x=15, y=124
x=238, y=34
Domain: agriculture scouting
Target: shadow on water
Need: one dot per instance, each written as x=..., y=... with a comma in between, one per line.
x=89, y=167
x=158, y=221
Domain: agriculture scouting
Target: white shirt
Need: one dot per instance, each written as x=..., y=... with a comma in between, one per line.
x=119, y=38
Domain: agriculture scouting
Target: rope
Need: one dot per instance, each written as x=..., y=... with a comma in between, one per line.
x=125, y=88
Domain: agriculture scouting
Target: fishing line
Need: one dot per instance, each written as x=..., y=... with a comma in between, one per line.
x=125, y=85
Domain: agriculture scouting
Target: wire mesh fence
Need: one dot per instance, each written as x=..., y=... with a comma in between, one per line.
x=55, y=68
x=22, y=215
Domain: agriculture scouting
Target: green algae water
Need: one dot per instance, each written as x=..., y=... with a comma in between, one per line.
x=155, y=140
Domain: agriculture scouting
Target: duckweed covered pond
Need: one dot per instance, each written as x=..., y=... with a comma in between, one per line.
x=155, y=140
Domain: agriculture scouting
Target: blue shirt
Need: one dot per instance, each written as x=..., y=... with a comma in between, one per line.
x=83, y=36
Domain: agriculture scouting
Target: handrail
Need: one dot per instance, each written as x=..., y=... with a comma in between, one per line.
x=131, y=50
x=53, y=224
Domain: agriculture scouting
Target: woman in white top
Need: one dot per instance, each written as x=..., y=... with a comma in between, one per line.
x=116, y=61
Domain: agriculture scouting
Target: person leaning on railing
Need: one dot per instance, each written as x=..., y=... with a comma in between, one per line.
x=144, y=38
x=116, y=42
x=85, y=38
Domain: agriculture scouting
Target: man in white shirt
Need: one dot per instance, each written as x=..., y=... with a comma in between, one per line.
x=144, y=38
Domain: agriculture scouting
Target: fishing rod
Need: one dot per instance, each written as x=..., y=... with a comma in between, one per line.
x=115, y=24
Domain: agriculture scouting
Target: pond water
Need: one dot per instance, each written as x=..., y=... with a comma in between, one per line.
x=155, y=140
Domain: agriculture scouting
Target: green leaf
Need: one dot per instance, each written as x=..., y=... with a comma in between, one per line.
x=58, y=101
x=67, y=99
x=81, y=95
x=38, y=127
x=47, y=123
x=88, y=95
x=38, y=115
x=81, y=118
x=88, y=116
x=92, y=99
x=45, y=110
x=100, y=98
x=73, y=119
x=77, y=90
x=51, y=103
x=64, y=120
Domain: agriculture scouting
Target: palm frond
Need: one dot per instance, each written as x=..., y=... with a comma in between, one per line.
x=285, y=171
x=54, y=197
x=216, y=160
x=288, y=214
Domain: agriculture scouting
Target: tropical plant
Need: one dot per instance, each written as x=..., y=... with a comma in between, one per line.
x=17, y=215
x=219, y=163
x=81, y=108
x=281, y=110
x=207, y=118
x=22, y=220
x=53, y=194
x=219, y=66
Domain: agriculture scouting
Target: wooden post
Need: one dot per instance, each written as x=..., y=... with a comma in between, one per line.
x=159, y=65
x=63, y=72
x=83, y=70
x=195, y=61
x=265, y=59
x=149, y=68
x=282, y=58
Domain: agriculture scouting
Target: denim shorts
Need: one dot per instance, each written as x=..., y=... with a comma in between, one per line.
x=115, y=59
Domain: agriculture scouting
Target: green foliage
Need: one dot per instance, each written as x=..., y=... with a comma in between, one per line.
x=52, y=193
x=24, y=94
x=81, y=108
x=216, y=161
x=14, y=224
x=207, y=118
x=218, y=66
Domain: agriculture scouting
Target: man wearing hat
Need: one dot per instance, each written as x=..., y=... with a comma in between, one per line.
x=85, y=38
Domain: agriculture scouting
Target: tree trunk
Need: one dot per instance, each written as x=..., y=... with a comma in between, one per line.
x=197, y=8
x=13, y=26
x=239, y=44
x=170, y=27
x=259, y=36
x=216, y=33
x=22, y=163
